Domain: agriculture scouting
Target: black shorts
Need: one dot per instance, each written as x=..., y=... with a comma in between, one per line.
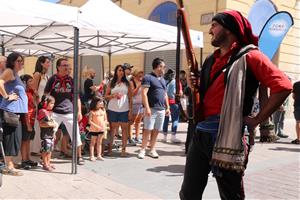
x=95, y=133
x=11, y=140
x=297, y=113
x=27, y=135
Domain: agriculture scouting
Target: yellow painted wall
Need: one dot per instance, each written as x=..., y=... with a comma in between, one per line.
x=29, y=65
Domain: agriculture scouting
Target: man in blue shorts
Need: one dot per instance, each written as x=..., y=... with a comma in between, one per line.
x=156, y=106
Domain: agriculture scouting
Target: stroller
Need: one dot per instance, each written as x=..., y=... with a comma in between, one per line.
x=87, y=140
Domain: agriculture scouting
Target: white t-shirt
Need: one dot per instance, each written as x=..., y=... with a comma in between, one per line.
x=121, y=104
x=42, y=85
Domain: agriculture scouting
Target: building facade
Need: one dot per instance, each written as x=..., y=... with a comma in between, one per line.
x=199, y=17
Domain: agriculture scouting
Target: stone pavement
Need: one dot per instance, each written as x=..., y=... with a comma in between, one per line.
x=273, y=173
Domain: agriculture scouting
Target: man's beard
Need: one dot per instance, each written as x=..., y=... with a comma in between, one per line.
x=217, y=41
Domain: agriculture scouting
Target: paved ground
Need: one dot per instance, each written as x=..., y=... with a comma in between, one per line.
x=273, y=173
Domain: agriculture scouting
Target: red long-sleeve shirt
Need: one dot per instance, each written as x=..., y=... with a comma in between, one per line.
x=262, y=68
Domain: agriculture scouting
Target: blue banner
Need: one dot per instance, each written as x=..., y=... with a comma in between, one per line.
x=273, y=33
x=266, y=9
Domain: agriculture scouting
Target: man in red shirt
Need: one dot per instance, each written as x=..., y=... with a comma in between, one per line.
x=228, y=83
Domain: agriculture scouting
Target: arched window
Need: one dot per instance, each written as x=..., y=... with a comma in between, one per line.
x=164, y=13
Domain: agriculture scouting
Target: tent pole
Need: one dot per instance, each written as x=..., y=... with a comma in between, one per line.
x=179, y=24
x=2, y=45
x=103, y=70
x=75, y=100
x=201, y=57
x=109, y=61
x=2, y=49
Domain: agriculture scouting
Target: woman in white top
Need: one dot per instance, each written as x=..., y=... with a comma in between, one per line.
x=137, y=104
x=118, y=93
x=40, y=79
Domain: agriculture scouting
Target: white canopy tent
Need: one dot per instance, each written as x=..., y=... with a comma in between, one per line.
x=25, y=20
x=98, y=28
x=100, y=31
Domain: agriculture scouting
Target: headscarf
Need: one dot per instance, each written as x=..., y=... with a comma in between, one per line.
x=238, y=25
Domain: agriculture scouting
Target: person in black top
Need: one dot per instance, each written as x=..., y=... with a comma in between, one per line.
x=89, y=87
x=296, y=96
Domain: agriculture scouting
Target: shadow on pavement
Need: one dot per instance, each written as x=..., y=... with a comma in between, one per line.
x=285, y=149
x=175, y=169
x=40, y=170
x=170, y=153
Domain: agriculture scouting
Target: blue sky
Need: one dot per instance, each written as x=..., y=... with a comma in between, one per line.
x=52, y=1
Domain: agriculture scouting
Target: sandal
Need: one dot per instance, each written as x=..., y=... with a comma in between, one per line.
x=296, y=141
x=47, y=168
x=52, y=166
x=92, y=158
x=11, y=172
x=100, y=158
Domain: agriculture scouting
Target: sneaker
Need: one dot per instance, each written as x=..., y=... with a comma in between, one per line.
x=25, y=165
x=138, y=141
x=282, y=135
x=142, y=153
x=80, y=161
x=174, y=139
x=119, y=137
x=131, y=142
x=165, y=138
x=153, y=154
x=296, y=141
x=31, y=163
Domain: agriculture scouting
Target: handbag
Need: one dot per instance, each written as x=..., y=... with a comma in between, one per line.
x=11, y=119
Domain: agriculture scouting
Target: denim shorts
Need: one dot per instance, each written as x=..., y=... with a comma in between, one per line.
x=297, y=113
x=137, y=109
x=117, y=116
x=155, y=121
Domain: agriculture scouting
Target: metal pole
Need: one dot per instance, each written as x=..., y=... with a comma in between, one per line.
x=103, y=70
x=109, y=61
x=80, y=72
x=2, y=50
x=179, y=24
x=2, y=45
x=75, y=100
x=201, y=58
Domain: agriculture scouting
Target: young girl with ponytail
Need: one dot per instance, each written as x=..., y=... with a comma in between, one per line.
x=48, y=128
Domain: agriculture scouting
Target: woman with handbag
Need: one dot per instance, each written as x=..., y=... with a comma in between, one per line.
x=13, y=102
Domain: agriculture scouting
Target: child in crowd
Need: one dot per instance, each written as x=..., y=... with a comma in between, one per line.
x=48, y=128
x=28, y=123
x=84, y=128
x=97, y=121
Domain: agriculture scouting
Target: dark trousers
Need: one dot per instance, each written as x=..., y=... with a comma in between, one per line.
x=197, y=168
